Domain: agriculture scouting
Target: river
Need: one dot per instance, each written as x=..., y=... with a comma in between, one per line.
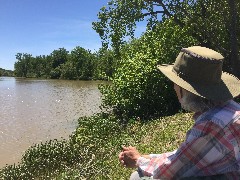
x=34, y=111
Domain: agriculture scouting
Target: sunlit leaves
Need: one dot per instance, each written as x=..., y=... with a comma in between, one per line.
x=139, y=89
x=118, y=20
x=208, y=21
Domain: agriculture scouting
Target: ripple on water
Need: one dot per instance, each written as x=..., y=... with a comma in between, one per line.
x=33, y=111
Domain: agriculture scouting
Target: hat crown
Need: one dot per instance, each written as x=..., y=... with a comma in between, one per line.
x=199, y=71
x=199, y=65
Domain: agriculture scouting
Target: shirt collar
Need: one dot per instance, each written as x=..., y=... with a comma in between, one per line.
x=196, y=115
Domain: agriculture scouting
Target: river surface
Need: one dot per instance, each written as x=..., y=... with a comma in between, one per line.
x=34, y=111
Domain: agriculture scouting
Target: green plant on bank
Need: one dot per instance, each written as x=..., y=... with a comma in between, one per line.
x=91, y=152
x=138, y=88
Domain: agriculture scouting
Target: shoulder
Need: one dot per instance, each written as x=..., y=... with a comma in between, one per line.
x=220, y=115
x=203, y=128
x=215, y=121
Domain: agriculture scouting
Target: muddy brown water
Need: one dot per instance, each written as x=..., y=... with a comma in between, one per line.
x=34, y=111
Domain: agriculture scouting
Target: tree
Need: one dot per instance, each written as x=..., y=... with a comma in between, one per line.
x=68, y=71
x=58, y=57
x=138, y=89
x=210, y=25
x=119, y=20
x=22, y=66
x=82, y=60
x=39, y=65
x=4, y=72
x=105, y=64
x=79, y=64
x=234, y=34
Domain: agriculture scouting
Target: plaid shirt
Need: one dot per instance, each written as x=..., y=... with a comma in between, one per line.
x=212, y=146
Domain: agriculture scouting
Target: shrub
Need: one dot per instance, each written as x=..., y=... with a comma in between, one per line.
x=138, y=88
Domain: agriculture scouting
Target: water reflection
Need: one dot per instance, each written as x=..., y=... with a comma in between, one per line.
x=32, y=111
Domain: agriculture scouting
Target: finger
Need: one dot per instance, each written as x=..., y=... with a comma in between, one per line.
x=125, y=148
x=131, y=148
x=121, y=155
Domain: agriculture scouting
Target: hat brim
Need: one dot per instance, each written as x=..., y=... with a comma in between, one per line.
x=227, y=89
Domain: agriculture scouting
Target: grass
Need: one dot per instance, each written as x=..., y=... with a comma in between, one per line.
x=91, y=152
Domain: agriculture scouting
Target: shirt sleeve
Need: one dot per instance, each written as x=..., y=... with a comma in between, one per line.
x=205, y=144
x=160, y=155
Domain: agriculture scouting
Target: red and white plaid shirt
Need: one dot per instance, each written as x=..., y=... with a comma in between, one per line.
x=212, y=146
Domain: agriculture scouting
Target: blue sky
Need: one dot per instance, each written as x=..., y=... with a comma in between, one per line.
x=38, y=27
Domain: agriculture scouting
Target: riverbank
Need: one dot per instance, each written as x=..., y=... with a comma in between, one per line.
x=35, y=110
x=92, y=150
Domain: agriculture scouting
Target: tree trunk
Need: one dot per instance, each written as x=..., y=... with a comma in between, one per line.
x=234, y=49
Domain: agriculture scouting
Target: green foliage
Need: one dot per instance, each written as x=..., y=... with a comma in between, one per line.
x=61, y=64
x=68, y=71
x=105, y=65
x=23, y=64
x=139, y=89
x=4, y=72
x=79, y=64
x=118, y=19
x=213, y=27
x=87, y=151
x=92, y=151
x=59, y=57
x=55, y=73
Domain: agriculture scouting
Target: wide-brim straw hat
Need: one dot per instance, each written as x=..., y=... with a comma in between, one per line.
x=199, y=70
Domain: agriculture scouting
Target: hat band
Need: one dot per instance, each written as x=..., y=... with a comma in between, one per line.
x=196, y=79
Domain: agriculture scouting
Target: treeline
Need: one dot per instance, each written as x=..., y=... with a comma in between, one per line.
x=138, y=89
x=79, y=64
x=4, y=72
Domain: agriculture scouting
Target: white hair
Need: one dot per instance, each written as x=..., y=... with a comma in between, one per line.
x=194, y=103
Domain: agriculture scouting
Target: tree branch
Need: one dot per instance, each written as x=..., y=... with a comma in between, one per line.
x=166, y=12
x=203, y=10
x=160, y=2
x=152, y=13
x=234, y=56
